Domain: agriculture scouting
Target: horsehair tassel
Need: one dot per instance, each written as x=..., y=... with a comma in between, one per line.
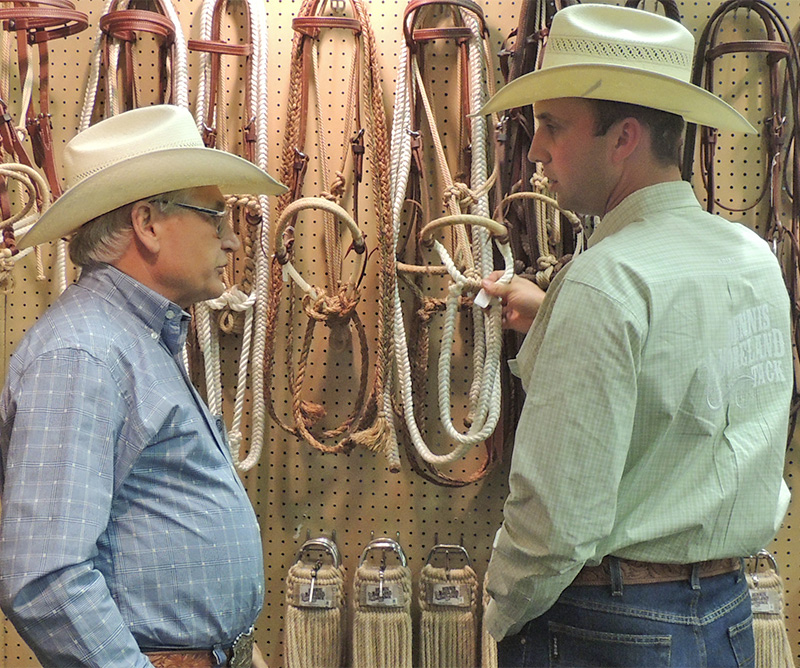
x=488, y=644
x=382, y=633
x=772, y=642
x=314, y=635
x=448, y=600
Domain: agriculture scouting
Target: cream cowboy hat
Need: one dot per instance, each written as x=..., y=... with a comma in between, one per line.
x=606, y=52
x=137, y=154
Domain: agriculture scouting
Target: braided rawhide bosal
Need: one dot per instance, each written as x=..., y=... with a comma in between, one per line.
x=35, y=23
x=465, y=260
x=780, y=133
x=336, y=309
x=115, y=42
x=242, y=308
x=366, y=129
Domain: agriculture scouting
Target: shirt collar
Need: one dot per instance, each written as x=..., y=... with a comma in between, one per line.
x=157, y=313
x=642, y=204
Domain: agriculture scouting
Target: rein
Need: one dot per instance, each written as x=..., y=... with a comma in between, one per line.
x=242, y=307
x=118, y=32
x=369, y=424
x=465, y=257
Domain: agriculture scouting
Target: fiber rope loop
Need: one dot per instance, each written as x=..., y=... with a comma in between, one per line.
x=487, y=412
x=242, y=307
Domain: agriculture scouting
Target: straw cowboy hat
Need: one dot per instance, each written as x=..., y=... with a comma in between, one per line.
x=606, y=52
x=137, y=154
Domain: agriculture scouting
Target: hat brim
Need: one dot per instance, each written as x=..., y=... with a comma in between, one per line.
x=166, y=170
x=621, y=84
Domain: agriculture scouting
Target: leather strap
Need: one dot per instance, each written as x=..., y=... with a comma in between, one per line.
x=641, y=572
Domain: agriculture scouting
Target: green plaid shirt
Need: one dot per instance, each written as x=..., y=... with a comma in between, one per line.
x=658, y=376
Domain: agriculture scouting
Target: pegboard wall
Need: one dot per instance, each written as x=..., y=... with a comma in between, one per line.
x=299, y=491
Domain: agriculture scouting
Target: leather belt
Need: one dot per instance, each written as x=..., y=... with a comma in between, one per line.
x=642, y=572
x=240, y=655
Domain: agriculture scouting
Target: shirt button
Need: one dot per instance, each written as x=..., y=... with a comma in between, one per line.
x=169, y=315
x=154, y=335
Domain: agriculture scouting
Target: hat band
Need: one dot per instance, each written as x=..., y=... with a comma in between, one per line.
x=633, y=55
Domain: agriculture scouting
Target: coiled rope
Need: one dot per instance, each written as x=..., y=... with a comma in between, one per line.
x=242, y=307
x=484, y=394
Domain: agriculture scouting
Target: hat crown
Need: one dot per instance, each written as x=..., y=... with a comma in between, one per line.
x=592, y=35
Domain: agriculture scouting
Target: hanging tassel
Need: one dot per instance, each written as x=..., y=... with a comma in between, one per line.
x=448, y=600
x=315, y=605
x=488, y=644
x=382, y=620
x=766, y=592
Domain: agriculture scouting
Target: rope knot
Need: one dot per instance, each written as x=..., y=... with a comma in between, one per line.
x=461, y=193
x=336, y=311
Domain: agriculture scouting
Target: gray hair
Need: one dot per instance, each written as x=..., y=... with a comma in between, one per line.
x=105, y=238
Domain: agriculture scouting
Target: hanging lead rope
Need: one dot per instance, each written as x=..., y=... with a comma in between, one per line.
x=448, y=601
x=370, y=424
x=242, y=307
x=382, y=599
x=467, y=264
x=315, y=607
x=766, y=587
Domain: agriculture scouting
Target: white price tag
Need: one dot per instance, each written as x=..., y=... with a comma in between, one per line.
x=482, y=299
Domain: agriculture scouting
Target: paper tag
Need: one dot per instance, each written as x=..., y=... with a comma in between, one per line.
x=285, y=272
x=324, y=596
x=766, y=602
x=457, y=595
x=389, y=596
x=482, y=299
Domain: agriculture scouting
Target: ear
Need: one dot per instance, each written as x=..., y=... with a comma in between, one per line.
x=629, y=134
x=145, y=229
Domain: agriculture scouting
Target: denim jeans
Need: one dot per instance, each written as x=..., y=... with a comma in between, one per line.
x=703, y=623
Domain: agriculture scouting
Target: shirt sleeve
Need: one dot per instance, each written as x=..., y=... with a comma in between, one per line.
x=61, y=424
x=570, y=449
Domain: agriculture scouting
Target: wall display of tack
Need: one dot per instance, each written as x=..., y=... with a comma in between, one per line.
x=296, y=489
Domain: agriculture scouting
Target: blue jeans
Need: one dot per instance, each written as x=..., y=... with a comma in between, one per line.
x=706, y=623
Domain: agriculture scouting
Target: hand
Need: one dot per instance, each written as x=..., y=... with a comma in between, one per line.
x=521, y=300
x=258, y=658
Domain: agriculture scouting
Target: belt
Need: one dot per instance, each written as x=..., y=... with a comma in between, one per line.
x=240, y=655
x=642, y=572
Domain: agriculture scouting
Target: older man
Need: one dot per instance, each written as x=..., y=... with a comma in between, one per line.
x=126, y=537
x=648, y=457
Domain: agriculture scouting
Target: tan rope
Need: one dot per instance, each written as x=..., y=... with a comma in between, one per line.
x=488, y=644
x=448, y=633
x=382, y=634
x=772, y=642
x=314, y=636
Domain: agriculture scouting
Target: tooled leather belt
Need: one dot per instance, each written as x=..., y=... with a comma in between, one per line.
x=642, y=572
x=239, y=655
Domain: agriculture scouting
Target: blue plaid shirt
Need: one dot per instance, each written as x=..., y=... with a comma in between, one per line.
x=124, y=524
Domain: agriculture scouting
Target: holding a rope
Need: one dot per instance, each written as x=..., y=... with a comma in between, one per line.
x=649, y=453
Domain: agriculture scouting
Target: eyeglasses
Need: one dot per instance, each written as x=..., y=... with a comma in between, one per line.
x=217, y=218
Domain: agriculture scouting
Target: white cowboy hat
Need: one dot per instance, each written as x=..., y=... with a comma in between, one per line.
x=137, y=154
x=606, y=52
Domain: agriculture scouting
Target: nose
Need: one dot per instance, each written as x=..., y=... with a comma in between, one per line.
x=536, y=153
x=230, y=242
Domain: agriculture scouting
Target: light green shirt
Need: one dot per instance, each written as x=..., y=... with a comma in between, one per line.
x=658, y=376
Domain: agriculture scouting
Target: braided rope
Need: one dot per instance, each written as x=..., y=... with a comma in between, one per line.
x=373, y=427
x=488, y=643
x=249, y=297
x=484, y=394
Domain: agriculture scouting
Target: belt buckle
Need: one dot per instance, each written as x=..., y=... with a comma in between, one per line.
x=242, y=650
